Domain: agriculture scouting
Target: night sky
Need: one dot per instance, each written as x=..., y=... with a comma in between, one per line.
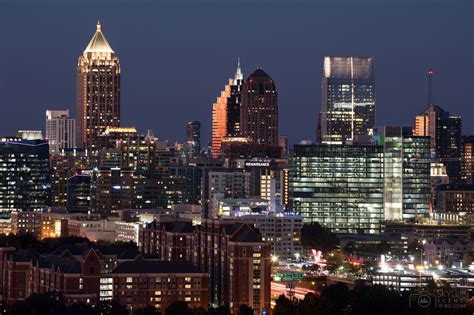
x=176, y=56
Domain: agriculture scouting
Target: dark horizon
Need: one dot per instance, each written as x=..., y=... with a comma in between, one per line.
x=175, y=62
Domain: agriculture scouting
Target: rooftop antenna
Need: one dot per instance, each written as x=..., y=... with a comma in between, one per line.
x=430, y=87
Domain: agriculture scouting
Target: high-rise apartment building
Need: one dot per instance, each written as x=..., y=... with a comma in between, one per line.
x=60, y=130
x=97, y=91
x=259, y=109
x=25, y=183
x=339, y=186
x=347, y=99
x=226, y=113
x=444, y=131
x=193, y=136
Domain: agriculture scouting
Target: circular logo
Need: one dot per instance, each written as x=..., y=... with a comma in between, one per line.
x=424, y=300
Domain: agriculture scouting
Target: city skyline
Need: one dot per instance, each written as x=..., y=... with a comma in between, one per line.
x=147, y=102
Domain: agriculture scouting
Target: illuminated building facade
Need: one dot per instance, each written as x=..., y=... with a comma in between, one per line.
x=467, y=160
x=219, y=120
x=113, y=190
x=25, y=183
x=60, y=130
x=259, y=109
x=226, y=113
x=64, y=164
x=347, y=98
x=407, y=172
x=339, y=186
x=80, y=193
x=97, y=91
x=193, y=136
x=444, y=131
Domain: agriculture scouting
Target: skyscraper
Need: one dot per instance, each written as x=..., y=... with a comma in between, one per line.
x=97, y=91
x=407, y=168
x=339, y=186
x=226, y=112
x=467, y=160
x=193, y=135
x=234, y=103
x=60, y=130
x=259, y=109
x=347, y=98
x=24, y=176
x=444, y=131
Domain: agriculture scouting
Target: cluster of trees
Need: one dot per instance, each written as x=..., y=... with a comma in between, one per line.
x=49, y=304
x=48, y=245
x=337, y=299
x=314, y=236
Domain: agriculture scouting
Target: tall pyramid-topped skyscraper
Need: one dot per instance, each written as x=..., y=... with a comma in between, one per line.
x=97, y=91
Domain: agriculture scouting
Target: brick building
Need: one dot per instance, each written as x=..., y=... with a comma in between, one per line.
x=233, y=254
x=89, y=274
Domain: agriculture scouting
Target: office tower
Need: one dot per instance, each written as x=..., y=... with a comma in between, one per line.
x=66, y=163
x=24, y=175
x=467, y=160
x=113, y=190
x=226, y=113
x=455, y=198
x=80, y=194
x=98, y=91
x=444, y=131
x=60, y=130
x=347, y=98
x=193, y=136
x=407, y=172
x=226, y=184
x=438, y=177
x=234, y=102
x=259, y=109
x=341, y=187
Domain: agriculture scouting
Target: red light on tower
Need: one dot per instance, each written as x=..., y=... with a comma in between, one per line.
x=430, y=72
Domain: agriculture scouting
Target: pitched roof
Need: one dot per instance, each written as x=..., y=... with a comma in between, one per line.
x=156, y=266
x=98, y=42
x=180, y=227
x=246, y=234
x=259, y=73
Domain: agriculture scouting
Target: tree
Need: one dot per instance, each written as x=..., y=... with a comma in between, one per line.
x=149, y=310
x=309, y=305
x=178, y=308
x=284, y=306
x=313, y=235
x=335, y=260
x=111, y=307
x=377, y=299
x=245, y=310
x=334, y=299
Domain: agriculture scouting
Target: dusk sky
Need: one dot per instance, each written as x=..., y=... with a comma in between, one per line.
x=176, y=56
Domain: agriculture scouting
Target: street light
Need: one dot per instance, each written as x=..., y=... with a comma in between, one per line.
x=274, y=258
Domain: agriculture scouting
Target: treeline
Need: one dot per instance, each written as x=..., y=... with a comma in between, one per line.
x=337, y=299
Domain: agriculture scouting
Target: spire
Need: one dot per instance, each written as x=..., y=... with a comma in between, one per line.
x=430, y=87
x=98, y=42
x=238, y=73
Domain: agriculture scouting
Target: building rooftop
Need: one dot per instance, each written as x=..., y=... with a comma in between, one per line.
x=98, y=42
x=155, y=266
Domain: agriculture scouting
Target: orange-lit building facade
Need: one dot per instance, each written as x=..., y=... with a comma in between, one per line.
x=219, y=120
x=97, y=91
